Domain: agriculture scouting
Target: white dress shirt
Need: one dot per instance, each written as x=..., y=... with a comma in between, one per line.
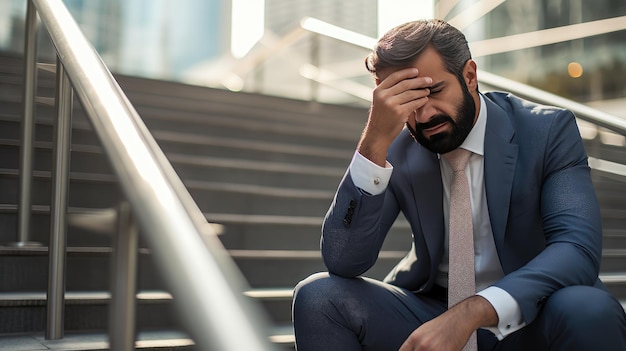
x=374, y=179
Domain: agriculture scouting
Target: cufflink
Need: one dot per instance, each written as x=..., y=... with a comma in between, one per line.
x=376, y=181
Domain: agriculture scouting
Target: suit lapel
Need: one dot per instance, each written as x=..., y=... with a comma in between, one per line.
x=427, y=192
x=500, y=161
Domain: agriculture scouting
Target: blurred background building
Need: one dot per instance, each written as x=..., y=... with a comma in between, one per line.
x=574, y=48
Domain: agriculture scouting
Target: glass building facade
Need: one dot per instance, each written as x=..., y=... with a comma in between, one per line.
x=151, y=38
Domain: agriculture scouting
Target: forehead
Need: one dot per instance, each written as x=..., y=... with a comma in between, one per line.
x=429, y=63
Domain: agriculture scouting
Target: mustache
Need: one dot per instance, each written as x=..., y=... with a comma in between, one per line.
x=434, y=121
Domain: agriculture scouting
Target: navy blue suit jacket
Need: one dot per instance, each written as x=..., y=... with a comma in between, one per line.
x=542, y=206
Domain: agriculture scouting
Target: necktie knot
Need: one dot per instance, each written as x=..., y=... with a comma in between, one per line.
x=457, y=158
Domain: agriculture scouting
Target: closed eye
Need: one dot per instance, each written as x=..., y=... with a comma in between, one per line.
x=436, y=88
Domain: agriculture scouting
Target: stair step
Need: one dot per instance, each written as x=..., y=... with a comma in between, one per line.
x=34, y=298
x=257, y=173
x=275, y=301
x=283, y=335
x=239, y=231
x=10, y=119
x=153, y=340
x=146, y=340
x=191, y=143
x=88, y=267
x=258, y=265
x=329, y=135
x=218, y=126
x=26, y=269
x=210, y=196
x=84, y=315
x=38, y=298
x=614, y=238
x=172, y=95
x=269, y=232
x=186, y=149
x=613, y=260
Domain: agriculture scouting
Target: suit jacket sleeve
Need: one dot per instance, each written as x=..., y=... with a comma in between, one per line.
x=355, y=227
x=569, y=250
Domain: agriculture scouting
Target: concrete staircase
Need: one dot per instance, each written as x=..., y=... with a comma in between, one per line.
x=262, y=169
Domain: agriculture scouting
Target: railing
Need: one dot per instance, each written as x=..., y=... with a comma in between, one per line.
x=583, y=112
x=206, y=285
x=317, y=28
x=317, y=75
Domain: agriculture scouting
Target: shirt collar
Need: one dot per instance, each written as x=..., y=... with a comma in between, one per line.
x=475, y=141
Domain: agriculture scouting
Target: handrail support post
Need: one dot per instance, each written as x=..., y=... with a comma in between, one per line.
x=58, y=206
x=28, y=129
x=123, y=281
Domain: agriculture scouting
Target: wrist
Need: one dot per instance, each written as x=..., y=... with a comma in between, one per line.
x=374, y=149
x=477, y=312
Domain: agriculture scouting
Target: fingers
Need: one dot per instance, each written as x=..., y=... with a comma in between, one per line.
x=408, y=79
x=405, y=80
x=404, y=90
x=394, y=101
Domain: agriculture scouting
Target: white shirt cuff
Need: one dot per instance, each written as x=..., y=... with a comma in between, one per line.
x=508, y=310
x=368, y=176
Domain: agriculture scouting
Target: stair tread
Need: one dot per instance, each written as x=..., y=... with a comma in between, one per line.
x=214, y=185
x=76, y=297
x=200, y=139
x=71, y=250
x=92, y=341
x=273, y=293
x=282, y=334
x=236, y=253
x=279, y=334
x=7, y=298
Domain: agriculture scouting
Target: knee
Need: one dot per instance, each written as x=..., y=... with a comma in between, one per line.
x=310, y=289
x=317, y=288
x=582, y=306
x=584, y=318
x=320, y=292
x=310, y=298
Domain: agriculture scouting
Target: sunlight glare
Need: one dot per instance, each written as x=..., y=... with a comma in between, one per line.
x=394, y=12
x=248, y=25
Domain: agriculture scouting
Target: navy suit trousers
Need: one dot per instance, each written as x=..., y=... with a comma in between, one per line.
x=345, y=314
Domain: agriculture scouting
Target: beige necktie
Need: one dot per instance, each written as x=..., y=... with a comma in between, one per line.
x=461, y=276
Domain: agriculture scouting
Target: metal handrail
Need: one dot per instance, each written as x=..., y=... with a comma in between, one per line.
x=584, y=112
x=206, y=284
x=321, y=28
x=318, y=75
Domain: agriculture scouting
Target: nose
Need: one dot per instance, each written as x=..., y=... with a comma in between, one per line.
x=425, y=113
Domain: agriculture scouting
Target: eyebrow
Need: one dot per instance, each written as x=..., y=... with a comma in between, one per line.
x=436, y=85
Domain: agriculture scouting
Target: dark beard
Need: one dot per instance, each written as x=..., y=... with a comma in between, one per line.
x=447, y=141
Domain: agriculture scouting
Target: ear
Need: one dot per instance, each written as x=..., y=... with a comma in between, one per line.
x=469, y=75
